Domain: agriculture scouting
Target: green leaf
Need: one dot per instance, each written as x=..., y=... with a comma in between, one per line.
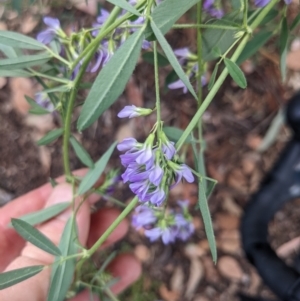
x=43, y=215
x=62, y=273
x=207, y=221
x=9, y=51
x=149, y=58
x=167, y=13
x=94, y=174
x=236, y=73
x=50, y=136
x=35, y=108
x=254, y=45
x=217, y=41
x=125, y=5
x=272, y=14
x=17, y=40
x=81, y=153
x=24, y=61
x=111, y=80
x=10, y=278
x=174, y=134
x=210, y=188
x=15, y=73
x=213, y=77
x=283, y=40
x=172, y=58
x=295, y=23
x=34, y=236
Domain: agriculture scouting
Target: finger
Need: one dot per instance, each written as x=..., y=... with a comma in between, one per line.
x=127, y=269
x=10, y=242
x=100, y=221
x=36, y=288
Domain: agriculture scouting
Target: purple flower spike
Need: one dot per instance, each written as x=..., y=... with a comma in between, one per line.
x=129, y=111
x=157, y=196
x=48, y=35
x=184, y=172
x=128, y=144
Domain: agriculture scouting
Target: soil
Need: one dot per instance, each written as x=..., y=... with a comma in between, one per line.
x=234, y=126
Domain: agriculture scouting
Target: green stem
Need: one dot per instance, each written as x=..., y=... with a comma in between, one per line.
x=112, y=227
x=222, y=76
x=156, y=77
x=57, y=79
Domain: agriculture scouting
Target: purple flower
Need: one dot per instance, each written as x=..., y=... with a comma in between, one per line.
x=216, y=13
x=168, y=149
x=43, y=100
x=156, y=174
x=184, y=227
x=166, y=235
x=183, y=171
x=104, y=14
x=47, y=35
x=179, y=84
x=157, y=196
x=143, y=217
x=129, y=111
x=128, y=144
x=261, y=3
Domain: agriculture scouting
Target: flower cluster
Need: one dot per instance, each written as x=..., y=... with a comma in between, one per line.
x=169, y=226
x=189, y=62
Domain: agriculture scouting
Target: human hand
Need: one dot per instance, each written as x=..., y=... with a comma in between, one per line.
x=15, y=253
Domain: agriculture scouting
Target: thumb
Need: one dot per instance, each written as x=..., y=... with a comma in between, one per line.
x=36, y=288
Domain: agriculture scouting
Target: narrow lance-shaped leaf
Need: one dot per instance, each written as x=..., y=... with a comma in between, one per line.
x=50, y=136
x=174, y=134
x=207, y=221
x=15, y=73
x=125, y=5
x=112, y=80
x=213, y=77
x=35, y=108
x=81, y=153
x=62, y=273
x=172, y=58
x=93, y=175
x=37, y=238
x=236, y=73
x=24, y=61
x=168, y=12
x=283, y=40
x=14, y=39
x=43, y=215
x=13, y=277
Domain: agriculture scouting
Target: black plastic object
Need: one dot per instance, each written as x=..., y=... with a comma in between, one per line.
x=281, y=185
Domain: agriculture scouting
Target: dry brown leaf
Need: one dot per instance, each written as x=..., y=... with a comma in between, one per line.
x=89, y=7
x=43, y=123
x=293, y=60
x=194, y=251
x=45, y=158
x=288, y=248
x=211, y=273
x=142, y=253
x=253, y=141
x=28, y=24
x=168, y=295
x=227, y=221
x=231, y=206
x=134, y=94
x=230, y=268
x=19, y=87
x=237, y=180
x=125, y=131
x=177, y=280
x=255, y=282
x=229, y=241
x=195, y=276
